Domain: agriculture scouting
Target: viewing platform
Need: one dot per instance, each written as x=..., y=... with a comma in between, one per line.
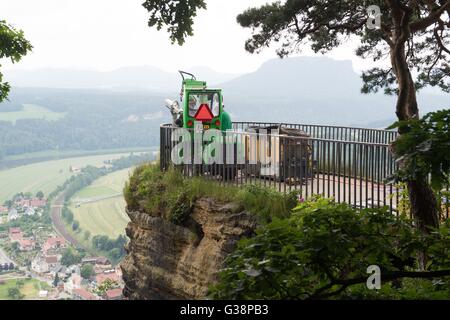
x=351, y=165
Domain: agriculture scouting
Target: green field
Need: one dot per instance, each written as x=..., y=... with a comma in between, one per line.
x=30, y=288
x=57, y=154
x=45, y=176
x=102, y=217
x=107, y=186
x=31, y=111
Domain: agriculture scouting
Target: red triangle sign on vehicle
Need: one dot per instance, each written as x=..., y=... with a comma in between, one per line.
x=204, y=113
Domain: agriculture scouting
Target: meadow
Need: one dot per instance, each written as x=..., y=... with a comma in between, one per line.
x=30, y=288
x=100, y=207
x=45, y=176
x=31, y=111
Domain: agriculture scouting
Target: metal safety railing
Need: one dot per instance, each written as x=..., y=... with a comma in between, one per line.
x=351, y=165
x=330, y=132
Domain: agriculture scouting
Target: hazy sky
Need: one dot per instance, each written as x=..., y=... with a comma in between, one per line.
x=109, y=34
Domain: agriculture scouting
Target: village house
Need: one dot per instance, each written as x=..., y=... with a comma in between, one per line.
x=52, y=262
x=13, y=214
x=113, y=294
x=97, y=261
x=30, y=203
x=52, y=244
x=74, y=169
x=74, y=282
x=44, y=264
x=39, y=265
x=83, y=294
x=15, y=234
x=100, y=278
x=27, y=244
x=3, y=210
x=38, y=203
x=89, y=260
x=103, y=265
x=43, y=294
x=30, y=211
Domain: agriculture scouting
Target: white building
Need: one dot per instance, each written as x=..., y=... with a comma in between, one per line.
x=39, y=265
x=30, y=211
x=13, y=215
x=74, y=282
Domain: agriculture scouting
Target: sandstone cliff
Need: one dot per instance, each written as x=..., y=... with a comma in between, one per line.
x=168, y=261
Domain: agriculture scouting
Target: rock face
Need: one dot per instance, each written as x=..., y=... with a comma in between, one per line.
x=167, y=261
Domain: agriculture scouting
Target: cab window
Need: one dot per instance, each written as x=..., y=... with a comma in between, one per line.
x=197, y=99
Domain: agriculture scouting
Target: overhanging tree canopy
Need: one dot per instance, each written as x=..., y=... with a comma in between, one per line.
x=177, y=15
x=14, y=46
x=414, y=35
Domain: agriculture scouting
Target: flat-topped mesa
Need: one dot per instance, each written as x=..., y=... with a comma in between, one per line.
x=181, y=261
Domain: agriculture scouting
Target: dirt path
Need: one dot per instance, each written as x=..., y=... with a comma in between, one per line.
x=58, y=223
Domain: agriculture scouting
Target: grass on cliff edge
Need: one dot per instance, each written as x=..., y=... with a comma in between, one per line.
x=171, y=195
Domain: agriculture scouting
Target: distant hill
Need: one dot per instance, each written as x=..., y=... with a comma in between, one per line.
x=128, y=110
x=124, y=79
x=313, y=90
x=303, y=89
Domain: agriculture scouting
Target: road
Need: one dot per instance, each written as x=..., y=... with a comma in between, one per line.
x=58, y=223
x=4, y=257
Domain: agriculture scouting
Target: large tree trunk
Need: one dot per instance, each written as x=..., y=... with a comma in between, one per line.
x=424, y=205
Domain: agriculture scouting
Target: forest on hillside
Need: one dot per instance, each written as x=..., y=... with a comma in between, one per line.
x=93, y=121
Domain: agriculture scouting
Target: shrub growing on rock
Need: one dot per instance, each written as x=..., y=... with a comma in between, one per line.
x=323, y=251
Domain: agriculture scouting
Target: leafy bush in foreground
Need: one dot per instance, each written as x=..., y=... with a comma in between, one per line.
x=323, y=251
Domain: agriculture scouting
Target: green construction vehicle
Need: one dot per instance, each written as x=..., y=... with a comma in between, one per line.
x=201, y=106
x=202, y=109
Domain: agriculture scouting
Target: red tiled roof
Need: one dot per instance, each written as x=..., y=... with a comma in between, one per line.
x=114, y=293
x=54, y=242
x=35, y=202
x=84, y=294
x=15, y=234
x=15, y=230
x=51, y=259
x=103, y=276
x=38, y=203
x=26, y=242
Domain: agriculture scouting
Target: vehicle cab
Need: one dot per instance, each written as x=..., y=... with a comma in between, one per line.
x=201, y=105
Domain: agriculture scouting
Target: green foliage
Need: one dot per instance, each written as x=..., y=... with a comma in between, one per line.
x=40, y=194
x=324, y=25
x=424, y=149
x=14, y=46
x=181, y=210
x=114, y=248
x=75, y=225
x=20, y=283
x=96, y=134
x=15, y=246
x=105, y=286
x=14, y=293
x=56, y=280
x=71, y=257
x=67, y=215
x=404, y=203
x=177, y=15
x=323, y=251
x=87, y=271
x=170, y=195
